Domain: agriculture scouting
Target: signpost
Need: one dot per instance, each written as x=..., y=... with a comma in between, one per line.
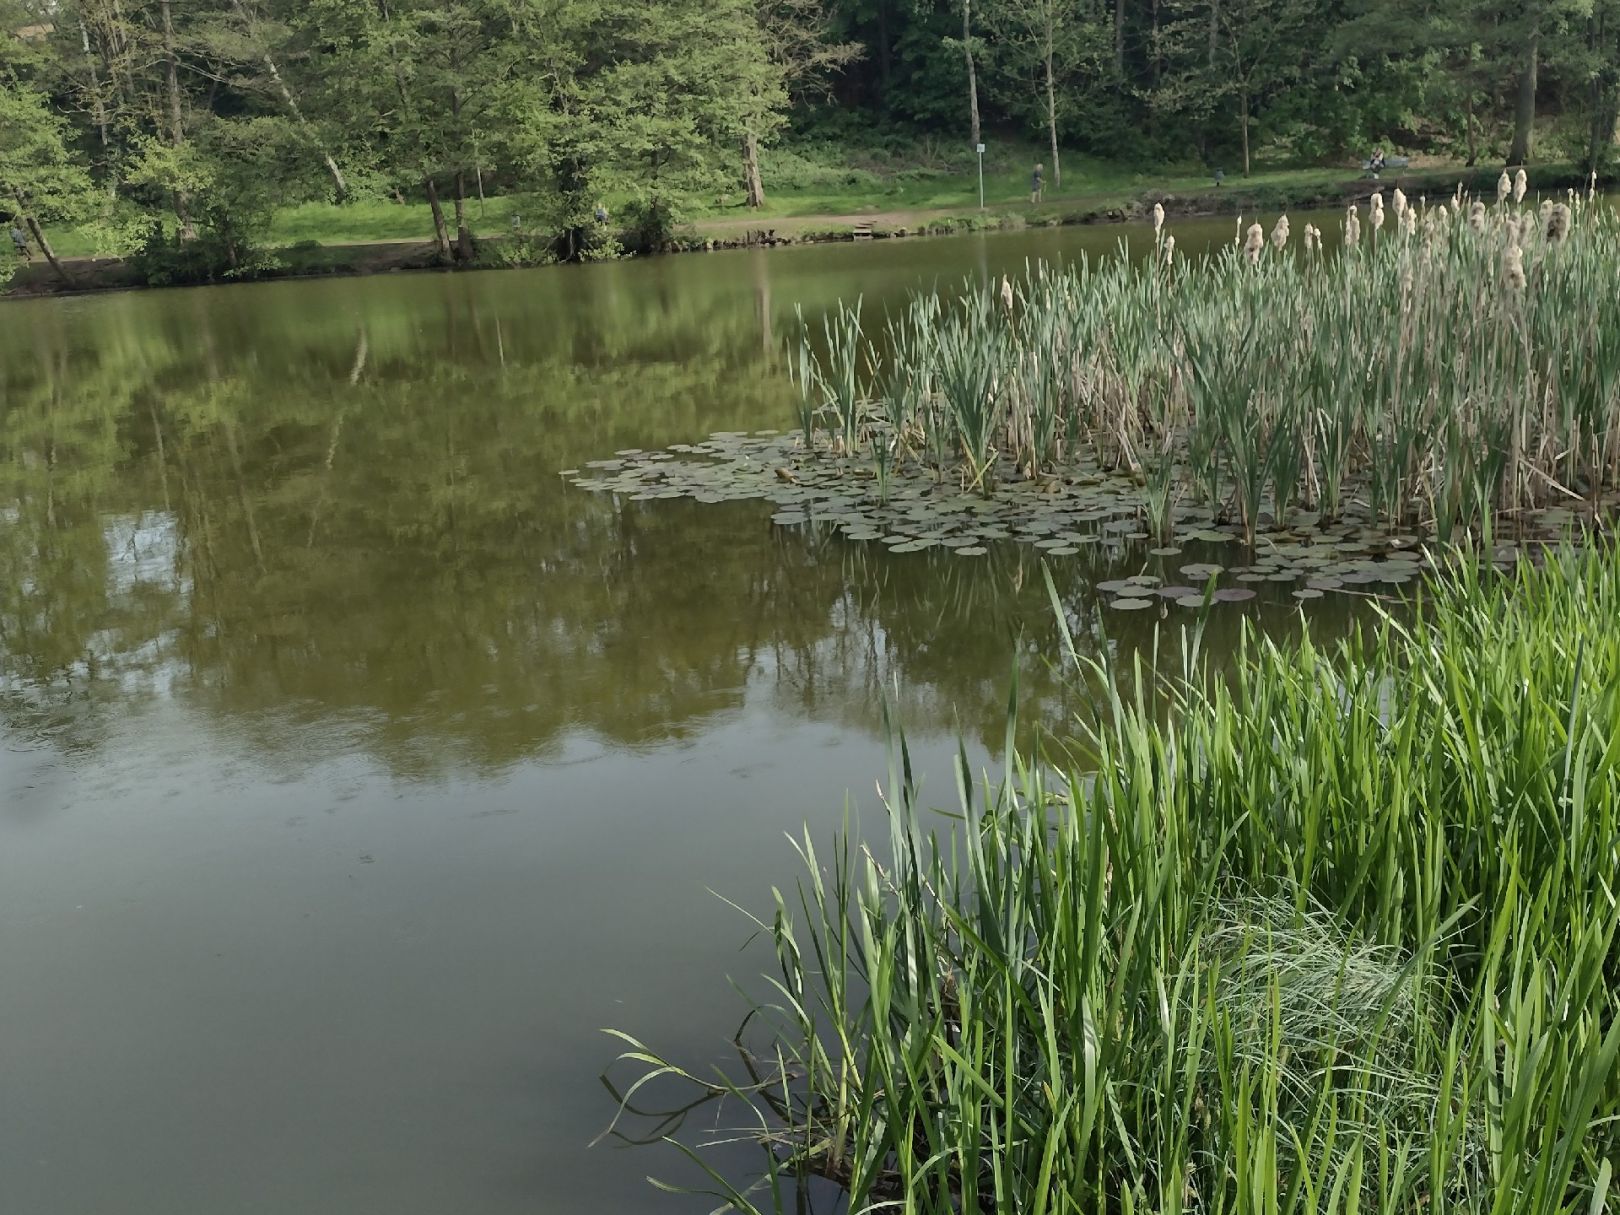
x=981, y=177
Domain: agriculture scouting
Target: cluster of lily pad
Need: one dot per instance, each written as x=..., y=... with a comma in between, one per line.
x=1089, y=512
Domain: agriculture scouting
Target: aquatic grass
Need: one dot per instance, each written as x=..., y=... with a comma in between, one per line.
x=1379, y=375
x=1330, y=930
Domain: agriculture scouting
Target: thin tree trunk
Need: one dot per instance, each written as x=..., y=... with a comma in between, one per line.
x=1524, y=108
x=1245, y=121
x=884, y=64
x=973, y=79
x=1157, y=64
x=1214, y=30
x=464, y=240
x=1051, y=114
x=752, y=184
x=291, y=102
x=44, y=244
x=1119, y=38
x=1473, y=137
x=441, y=234
x=98, y=104
x=177, y=135
x=340, y=184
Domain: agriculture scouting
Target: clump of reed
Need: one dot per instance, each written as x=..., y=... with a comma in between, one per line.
x=1271, y=373
x=1334, y=930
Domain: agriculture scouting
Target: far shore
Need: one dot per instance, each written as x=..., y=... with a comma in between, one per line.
x=1309, y=190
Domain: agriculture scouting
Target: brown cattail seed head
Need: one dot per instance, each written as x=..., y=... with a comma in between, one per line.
x=1521, y=183
x=1006, y=293
x=1279, y=234
x=1158, y=216
x=1476, y=216
x=1169, y=250
x=1256, y=242
x=1397, y=202
x=1557, y=223
x=1504, y=187
x=1513, y=268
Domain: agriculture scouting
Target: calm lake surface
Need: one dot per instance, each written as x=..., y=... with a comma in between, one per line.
x=355, y=771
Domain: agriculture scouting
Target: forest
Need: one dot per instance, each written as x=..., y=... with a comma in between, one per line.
x=171, y=130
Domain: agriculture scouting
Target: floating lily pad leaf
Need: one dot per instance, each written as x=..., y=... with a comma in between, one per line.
x=1254, y=576
x=1179, y=592
x=1114, y=586
x=972, y=550
x=1130, y=605
x=1144, y=579
x=1201, y=569
x=786, y=517
x=1066, y=550
x=1285, y=576
x=1232, y=594
x=569, y=472
x=1309, y=592
x=1167, y=551
x=1323, y=584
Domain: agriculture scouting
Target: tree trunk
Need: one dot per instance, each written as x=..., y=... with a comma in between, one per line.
x=1119, y=38
x=1473, y=138
x=1244, y=102
x=1214, y=30
x=291, y=102
x=177, y=135
x=38, y=234
x=1157, y=63
x=1051, y=116
x=1524, y=108
x=973, y=80
x=885, y=69
x=441, y=234
x=464, y=240
x=752, y=185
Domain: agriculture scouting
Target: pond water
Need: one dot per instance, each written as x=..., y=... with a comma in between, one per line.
x=356, y=770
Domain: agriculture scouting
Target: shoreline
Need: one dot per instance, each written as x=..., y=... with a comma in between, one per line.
x=95, y=275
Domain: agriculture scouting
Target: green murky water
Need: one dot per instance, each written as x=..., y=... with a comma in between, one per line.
x=355, y=769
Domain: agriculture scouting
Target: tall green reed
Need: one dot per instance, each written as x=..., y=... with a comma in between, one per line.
x=1336, y=931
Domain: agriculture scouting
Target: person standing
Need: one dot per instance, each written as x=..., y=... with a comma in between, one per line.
x=1037, y=186
x=19, y=240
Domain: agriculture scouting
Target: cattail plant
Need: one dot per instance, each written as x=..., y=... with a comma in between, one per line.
x=1521, y=183
x=1557, y=223
x=1476, y=216
x=1504, y=187
x=1158, y=217
x=1352, y=228
x=1279, y=234
x=1513, y=269
x=1254, y=244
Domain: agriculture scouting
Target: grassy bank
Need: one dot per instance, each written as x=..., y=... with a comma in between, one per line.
x=1334, y=931
x=810, y=180
x=814, y=191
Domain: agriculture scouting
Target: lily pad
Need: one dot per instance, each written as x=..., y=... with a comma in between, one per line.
x=1130, y=605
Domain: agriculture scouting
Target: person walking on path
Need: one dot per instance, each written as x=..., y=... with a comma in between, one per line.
x=1037, y=186
x=19, y=240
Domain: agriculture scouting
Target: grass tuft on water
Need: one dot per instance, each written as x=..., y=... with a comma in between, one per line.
x=1332, y=930
x=1451, y=375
